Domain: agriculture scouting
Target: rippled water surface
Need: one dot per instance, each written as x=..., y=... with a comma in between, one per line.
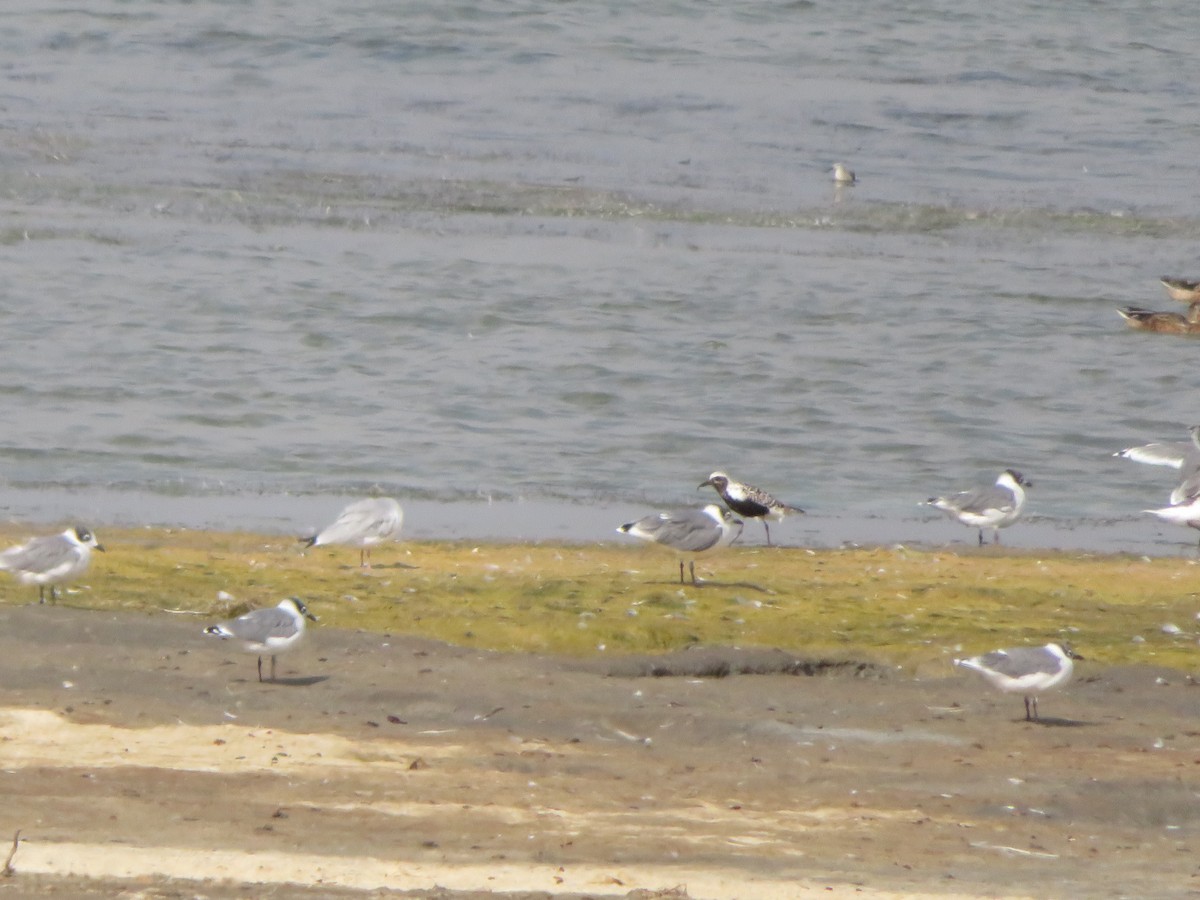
x=262, y=256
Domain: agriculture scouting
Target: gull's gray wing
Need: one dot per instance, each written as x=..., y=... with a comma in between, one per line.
x=40, y=554
x=689, y=531
x=365, y=518
x=1166, y=453
x=261, y=624
x=983, y=499
x=1021, y=661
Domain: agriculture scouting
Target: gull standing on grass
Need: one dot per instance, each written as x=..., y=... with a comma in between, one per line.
x=363, y=524
x=1025, y=670
x=747, y=500
x=51, y=559
x=272, y=630
x=689, y=532
x=994, y=507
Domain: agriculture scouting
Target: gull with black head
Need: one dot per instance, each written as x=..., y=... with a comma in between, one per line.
x=689, y=532
x=51, y=559
x=996, y=506
x=272, y=630
x=747, y=500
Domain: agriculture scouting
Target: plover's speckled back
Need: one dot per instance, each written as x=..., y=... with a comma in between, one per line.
x=51, y=559
x=747, y=500
x=689, y=532
x=996, y=506
x=843, y=175
x=272, y=630
x=1025, y=670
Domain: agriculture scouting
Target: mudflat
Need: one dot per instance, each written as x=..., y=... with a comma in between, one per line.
x=138, y=756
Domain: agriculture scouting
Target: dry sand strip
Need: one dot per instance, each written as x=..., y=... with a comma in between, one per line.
x=41, y=740
x=108, y=861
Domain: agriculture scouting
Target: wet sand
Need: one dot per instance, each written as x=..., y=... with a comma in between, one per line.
x=136, y=756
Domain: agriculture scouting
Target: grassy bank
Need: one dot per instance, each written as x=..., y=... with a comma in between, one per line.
x=888, y=604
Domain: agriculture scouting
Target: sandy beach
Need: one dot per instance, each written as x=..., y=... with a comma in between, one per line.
x=137, y=759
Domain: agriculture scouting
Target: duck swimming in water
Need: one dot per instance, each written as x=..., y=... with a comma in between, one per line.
x=1181, y=289
x=1163, y=322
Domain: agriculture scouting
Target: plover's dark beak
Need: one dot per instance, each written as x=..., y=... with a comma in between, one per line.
x=311, y=616
x=704, y=484
x=99, y=547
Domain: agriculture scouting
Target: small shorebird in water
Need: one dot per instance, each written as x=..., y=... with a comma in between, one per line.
x=689, y=532
x=747, y=500
x=843, y=175
x=994, y=507
x=1162, y=322
x=1025, y=670
x=1181, y=289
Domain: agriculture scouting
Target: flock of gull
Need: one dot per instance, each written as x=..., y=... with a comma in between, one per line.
x=1028, y=671
x=51, y=560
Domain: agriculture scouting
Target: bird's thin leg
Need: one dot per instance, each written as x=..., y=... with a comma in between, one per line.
x=692, y=567
x=1036, y=714
x=980, y=537
x=681, y=571
x=768, y=527
x=41, y=594
x=260, y=670
x=1028, y=717
x=272, y=667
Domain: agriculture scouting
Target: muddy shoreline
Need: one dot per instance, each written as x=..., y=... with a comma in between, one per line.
x=133, y=752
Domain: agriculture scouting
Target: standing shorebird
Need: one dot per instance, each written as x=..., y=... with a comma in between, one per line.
x=363, y=524
x=747, y=500
x=272, y=630
x=689, y=532
x=51, y=559
x=1025, y=670
x=843, y=175
x=994, y=507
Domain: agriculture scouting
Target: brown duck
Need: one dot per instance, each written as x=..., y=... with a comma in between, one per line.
x=1181, y=289
x=1163, y=322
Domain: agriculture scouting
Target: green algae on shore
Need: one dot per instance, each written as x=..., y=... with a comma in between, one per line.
x=896, y=605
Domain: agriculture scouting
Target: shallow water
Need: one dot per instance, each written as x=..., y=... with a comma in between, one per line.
x=554, y=258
